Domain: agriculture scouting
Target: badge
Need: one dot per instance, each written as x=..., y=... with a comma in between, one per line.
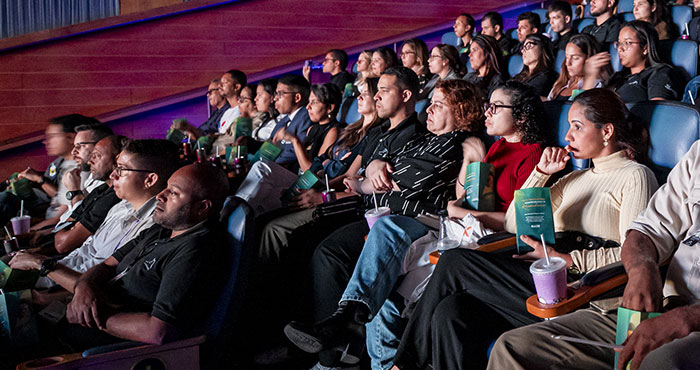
x=52, y=170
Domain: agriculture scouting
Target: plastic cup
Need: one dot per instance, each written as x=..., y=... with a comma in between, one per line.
x=550, y=279
x=447, y=244
x=374, y=214
x=21, y=224
x=11, y=245
x=328, y=196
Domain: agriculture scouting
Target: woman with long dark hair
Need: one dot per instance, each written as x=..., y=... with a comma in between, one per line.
x=538, y=64
x=444, y=64
x=486, y=61
x=579, y=48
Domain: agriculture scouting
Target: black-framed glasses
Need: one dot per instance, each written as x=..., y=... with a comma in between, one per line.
x=119, y=170
x=435, y=57
x=493, y=107
x=241, y=99
x=84, y=143
x=625, y=44
x=406, y=53
x=528, y=45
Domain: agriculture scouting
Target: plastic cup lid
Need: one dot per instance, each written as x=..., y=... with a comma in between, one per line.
x=541, y=266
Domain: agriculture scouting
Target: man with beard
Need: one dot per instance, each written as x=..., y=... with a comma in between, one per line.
x=143, y=168
x=606, y=27
x=162, y=285
x=89, y=215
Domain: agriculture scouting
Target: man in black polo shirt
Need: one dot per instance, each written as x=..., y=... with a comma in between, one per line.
x=606, y=27
x=559, y=14
x=162, y=285
x=528, y=23
x=492, y=25
x=335, y=63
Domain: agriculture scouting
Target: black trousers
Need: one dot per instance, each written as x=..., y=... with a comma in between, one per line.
x=471, y=299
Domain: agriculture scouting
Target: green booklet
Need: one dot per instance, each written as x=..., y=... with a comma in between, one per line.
x=13, y=280
x=627, y=321
x=237, y=151
x=17, y=323
x=307, y=180
x=175, y=135
x=478, y=184
x=21, y=187
x=533, y=216
x=267, y=151
x=244, y=127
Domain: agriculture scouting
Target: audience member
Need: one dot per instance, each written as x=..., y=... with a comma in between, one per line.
x=492, y=25
x=665, y=231
x=182, y=258
x=291, y=97
x=142, y=170
x=656, y=13
x=335, y=63
x=242, y=126
x=232, y=82
x=459, y=299
x=561, y=21
x=414, y=55
x=382, y=59
x=485, y=59
x=264, y=98
x=444, y=64
x=538, y=64
x=571, y=79
x=219, y=104
x=606, y=26
x=51, y=192
x=643, y=76
x=694, y=25
x=464, y=29
x=364, y=69
x=528, y=24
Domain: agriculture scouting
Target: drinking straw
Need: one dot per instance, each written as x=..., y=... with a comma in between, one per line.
x=217, y=150
x=328, y=189
x=21, y=208
x=686, y=30
x=544, y=246
x=374, y=196
x=238, y=151
x=691, y=97
x=8, y=233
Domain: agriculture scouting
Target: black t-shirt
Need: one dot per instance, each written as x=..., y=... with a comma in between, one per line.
x=606, y=32
x=560, y=43
x=487, y=84
x=659, y=81
x=177, y=280
x=94, y=208
x=389, y=142
x=542, y=82
x=507, y=45
x=341, y=79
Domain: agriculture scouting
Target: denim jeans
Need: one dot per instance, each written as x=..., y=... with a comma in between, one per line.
x=376, y=273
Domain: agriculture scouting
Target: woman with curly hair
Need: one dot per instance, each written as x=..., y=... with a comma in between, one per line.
x=456, y=110
x=485, y=293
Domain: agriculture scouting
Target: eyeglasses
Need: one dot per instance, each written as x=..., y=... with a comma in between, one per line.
x=242, y=99
x=328, y=60
x=528, y=46
x=493, y=107
x=624, y=45
x=435, y=57
x=280, y=93
x=84, y=143
x=406, y=53
x=213, y=90
x=119, y=170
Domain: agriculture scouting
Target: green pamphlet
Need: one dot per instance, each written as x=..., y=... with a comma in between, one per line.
x=267, y=151
x=307, y=180
x=239, y=151
x=244, y=127
x=13, y=280
x=175, y=136
x=478, y=184
x=17, y=323
x=627, y=321
x=533, y=216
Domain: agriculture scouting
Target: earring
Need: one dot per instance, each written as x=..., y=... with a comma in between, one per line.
x=605, y=142
x=329, y=116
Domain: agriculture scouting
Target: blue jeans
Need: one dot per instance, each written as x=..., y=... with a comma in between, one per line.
x=376, y=272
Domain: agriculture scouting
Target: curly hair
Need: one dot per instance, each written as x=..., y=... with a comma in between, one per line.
x=603, y=106
x=528, y=113
x=466, y=102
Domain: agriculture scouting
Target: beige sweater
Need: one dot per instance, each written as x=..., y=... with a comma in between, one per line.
x=601, y=201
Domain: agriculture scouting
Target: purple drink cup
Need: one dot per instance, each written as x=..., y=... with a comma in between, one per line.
x=374, y=214
x=550, y=279
x=21, y=224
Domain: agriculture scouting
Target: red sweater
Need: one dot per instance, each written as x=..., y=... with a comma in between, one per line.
x=514, y=162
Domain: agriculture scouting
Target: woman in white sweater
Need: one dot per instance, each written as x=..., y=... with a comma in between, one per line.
x=473, y=297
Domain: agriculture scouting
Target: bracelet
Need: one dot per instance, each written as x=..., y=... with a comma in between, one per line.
x=42, y=180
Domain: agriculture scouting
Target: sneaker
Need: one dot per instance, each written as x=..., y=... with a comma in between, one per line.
x=346, y=325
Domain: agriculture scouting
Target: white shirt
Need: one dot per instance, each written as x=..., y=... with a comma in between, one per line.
x=227, y=118
x=122, y=224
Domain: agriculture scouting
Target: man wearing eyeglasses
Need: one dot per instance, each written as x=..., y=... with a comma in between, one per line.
x=218, y=104
x=142, y=170
x=291, y=97
x=335, y=63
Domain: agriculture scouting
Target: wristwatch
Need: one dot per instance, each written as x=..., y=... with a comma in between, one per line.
x=73, y=193
x=47, y=266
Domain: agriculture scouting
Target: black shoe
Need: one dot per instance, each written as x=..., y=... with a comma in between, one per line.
x=346, y=325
